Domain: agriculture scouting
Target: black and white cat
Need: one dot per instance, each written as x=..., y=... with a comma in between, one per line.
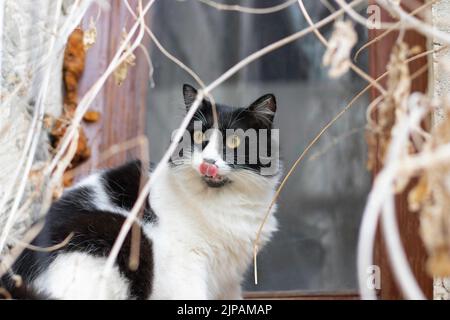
x=198, y=228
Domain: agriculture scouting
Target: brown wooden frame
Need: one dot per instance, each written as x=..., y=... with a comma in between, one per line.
x=123, y=111
x=301, y=295
x=408, y=221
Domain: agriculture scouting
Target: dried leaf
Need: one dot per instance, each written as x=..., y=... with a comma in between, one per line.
x=90, y=35
x=91, y=116
x=68, y=179
x=83, y=151
x=121, y=72
x=399, y=81
x=418, y=194
x=393, y=105
x=73, y=67
x=74, y=63
x=337, y=55
x=432, y=197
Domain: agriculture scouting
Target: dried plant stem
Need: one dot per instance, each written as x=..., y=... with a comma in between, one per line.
x=178, y=63
x=389, y=30
x=150, y=65
x=136, y=231
x=328, y=5
x=174, y=59
x=334, y=142
x=295, y=165
x=378, y=196
x=7, y=260
x=383, y=185
x=238, y=8
x=278, y=44
x=57, y=175
x=322, y=39
x=139, y=141
x=427, y=159
x=165, y=52
x=55, y=247
x=412, y=22
x=110, y=152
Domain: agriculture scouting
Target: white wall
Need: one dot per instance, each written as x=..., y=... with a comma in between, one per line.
x=440, y=81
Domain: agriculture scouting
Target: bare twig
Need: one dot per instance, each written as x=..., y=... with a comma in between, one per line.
x=389, y=30
x=7, y=260
x=359, y=18
x=55, y=247
x=381, y=192
x=239, y=8
x=136, y=231
x=322, y=39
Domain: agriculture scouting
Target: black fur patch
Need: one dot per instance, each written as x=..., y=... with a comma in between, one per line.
x=94, y=232
x=122, y=185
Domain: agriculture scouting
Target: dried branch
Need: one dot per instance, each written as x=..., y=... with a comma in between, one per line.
x=55, y=247
x=389, y=30
x=409, y=21
x=238, y=8
x=314, y=141
x=8, y=260
x=360, y=19
x=382, y=193
x=322, y=39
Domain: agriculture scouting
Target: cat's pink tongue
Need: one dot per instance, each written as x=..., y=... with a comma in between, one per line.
x=208, y=169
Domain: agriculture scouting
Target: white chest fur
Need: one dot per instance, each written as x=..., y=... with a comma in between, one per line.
x=204, y=237
x=202, y=240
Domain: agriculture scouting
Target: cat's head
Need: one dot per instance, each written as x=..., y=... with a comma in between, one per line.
x=242, y=149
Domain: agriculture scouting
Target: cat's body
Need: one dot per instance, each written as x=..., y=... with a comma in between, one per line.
x=198, y=229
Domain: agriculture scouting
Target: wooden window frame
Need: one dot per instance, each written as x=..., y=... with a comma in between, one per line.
x=408, y=222
x=123, y=117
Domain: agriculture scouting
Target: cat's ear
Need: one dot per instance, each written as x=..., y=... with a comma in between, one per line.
x=189, y=94
x=264, y=108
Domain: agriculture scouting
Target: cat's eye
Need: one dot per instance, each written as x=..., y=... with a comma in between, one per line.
x=198, y=137
x=233, y=141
